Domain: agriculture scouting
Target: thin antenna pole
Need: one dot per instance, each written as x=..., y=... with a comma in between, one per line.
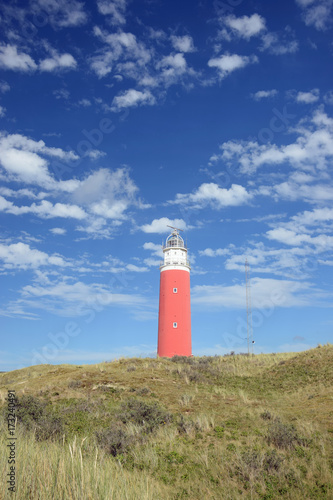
x=248, y=308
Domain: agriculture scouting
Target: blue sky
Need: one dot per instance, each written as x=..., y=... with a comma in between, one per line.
x=120, y=117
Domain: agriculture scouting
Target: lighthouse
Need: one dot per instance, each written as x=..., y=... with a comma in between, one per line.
x=174, y=318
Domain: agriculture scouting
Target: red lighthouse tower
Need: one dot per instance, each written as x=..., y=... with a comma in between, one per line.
x=174, y=319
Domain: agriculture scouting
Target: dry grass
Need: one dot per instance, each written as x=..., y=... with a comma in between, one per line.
x=73, y=470
x=235, y=427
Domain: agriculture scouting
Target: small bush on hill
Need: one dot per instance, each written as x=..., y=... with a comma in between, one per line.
x=283, y=436
x=148, y=415
x=266, y=415
x=272, y=461
x=29, y=410
x=188, y=360
x=143, y=391
x=185, y=426
x=33, y=414
x=206, y=360
x=74, y=384
x=114, y=440
x=49, y=427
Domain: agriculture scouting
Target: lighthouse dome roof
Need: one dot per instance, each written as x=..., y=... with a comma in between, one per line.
x=175, y=240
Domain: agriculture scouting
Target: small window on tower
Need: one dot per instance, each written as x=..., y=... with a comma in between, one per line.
x=175, y=290
x=175, y=325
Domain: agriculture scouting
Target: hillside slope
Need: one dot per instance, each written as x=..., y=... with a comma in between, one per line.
x=210, y=427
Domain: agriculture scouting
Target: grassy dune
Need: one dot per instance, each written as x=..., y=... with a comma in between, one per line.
x=198, y=428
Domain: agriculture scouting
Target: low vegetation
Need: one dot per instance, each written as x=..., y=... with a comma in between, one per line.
x=217, y=427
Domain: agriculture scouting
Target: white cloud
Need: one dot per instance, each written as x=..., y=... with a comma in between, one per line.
x=122, y=52
x=322, y=242
x=94, y=154
x=156, y=251
x=312, y=149
x=113, y=8
x=317, y=13
x=102, y=64
x=4, y=87
x=58, y=230
x=61, y=94
x=154, y=248
x=132, y=98
x=289, y=262
x=76, y=298
x=2, y=111
x=328, y=97
x=279, y=43
x=152, y=262
x=160, y=225
x=264, y=94
x=308, y=97
x=58, y=62
x=292, y=190
x=172, y=69
x=218, y=252
x=22, y=160
x=228, y=63
x=310, y=218
x=45, y=209
x=61, y=13
x=11, y=193
x=183, y=43
x=217, y=197
x=85, y=103
x=22, y=142
x=288, y=237
x=136, y=269
x=246, y=26
x=11, y=59
x=266, y=294
x=110, y=210
x=125, y=56
x=106, y=184
x=26, y=165
x=309, y=228
x=176, y=61
x=98, y=228
x=107, y=195
x=21, y=256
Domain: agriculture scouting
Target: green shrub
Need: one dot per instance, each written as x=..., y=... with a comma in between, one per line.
x=74, y=384
x=114, y=440
x=185, y=426
x=219, y=431
x=206, y=360
x=250, y=464
x=266, y=415
x=189, y=360
x=272, y=461
x=143, y=391
x=29, y=410
x=148, y=415
x=34, y=415
x=174, y=458
x=282, y=435
x=49, y=427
